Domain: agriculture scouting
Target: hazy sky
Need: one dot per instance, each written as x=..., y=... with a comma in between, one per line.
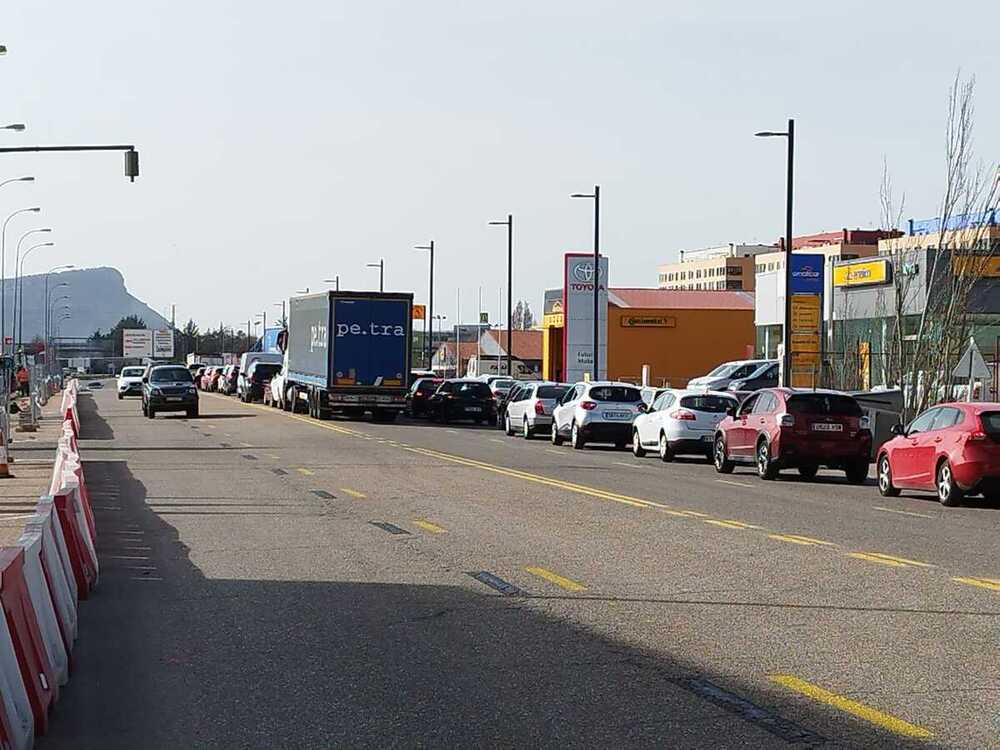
x=283, y=143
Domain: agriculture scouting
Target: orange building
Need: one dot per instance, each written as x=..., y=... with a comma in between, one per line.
x=679, y=333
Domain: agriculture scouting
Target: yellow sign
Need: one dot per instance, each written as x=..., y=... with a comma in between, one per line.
x=984, y=266
x=419, y=311
x=862, y=273
x=805, y=313
x=648, y=321
x=552, y=320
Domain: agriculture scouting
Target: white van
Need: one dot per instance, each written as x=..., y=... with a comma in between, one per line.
x=248, y=358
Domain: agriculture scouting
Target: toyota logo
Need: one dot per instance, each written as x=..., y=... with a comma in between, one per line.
x=584, y=272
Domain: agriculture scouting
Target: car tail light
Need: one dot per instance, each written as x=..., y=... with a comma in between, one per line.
x=588, y=405
x=976, y=436
x=682, y=414
x=786, y=420
x=418, y=394
x=539, y=407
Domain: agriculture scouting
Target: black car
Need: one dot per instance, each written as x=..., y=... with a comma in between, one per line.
x=419, y=394
x=462, y=398
x=169, y=388
x=258, y=375
x=765, y=376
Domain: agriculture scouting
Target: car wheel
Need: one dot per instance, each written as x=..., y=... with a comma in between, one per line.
x=576, y=437
x=720, y=457
x=885, y=485
x=637, y=450
x=526, y=432
x=857, y=471
x=808, y=471
x=554, y=436
x=765, y=466
x=508, y=428
x=949, y=493
x=666, y=455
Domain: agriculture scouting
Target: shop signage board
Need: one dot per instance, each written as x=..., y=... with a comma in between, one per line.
x=807, y=319
x=983, y=266
x=807, y=273
x=579, y=278
x=648, y=321
x=862, y=273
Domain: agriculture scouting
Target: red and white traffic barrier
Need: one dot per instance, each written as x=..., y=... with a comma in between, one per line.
x=17, y=724
x=58, y=570
x=43, y=605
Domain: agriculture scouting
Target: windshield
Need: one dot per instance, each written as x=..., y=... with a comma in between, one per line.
x=132, y=372
x=502, y=385
x=722, y=371
x=551, y=391
x=829, y=404
x=712, y=404
x=170, y=375
x=615, y=393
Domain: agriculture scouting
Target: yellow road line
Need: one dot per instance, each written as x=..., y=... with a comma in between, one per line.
x=431, y=527
x=306, y=472
x=729, y=524
x=682, y=513
x=791, y=539
x=869, y=714
x=353, y=493
x=983, y=583
x=555, y=578
x=880, y=560
x=902, y=560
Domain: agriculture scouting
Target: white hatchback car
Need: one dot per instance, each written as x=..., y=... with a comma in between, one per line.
x=529, y=409
x=681, y=422
x=599, y=412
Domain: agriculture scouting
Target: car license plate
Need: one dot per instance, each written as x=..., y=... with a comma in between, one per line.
x=617, y=415
x=827, y=427
x=174, y=398
x=474, y=408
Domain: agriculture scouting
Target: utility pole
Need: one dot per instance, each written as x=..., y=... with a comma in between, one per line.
x=509, y=223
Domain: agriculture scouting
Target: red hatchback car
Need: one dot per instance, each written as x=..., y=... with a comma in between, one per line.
x=782, y=428
x=953, y=449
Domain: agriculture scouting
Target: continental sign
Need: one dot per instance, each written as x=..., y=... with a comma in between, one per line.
x=648, y=321
x=862, y=273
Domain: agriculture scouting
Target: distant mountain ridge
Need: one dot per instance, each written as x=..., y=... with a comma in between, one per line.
x=99, y=301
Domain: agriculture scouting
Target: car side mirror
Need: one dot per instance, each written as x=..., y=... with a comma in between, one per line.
x=897, y=429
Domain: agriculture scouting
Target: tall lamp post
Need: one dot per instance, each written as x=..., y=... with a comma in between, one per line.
x=17, y=264
x=381, y=273
x=509, y=223
x=3, y=279
x=19, y=292
x=440, y=319
x=58, y=325
x=596, y=196
x=430, y=301
x=786, y=338
x=48, y=316
x=335, y=281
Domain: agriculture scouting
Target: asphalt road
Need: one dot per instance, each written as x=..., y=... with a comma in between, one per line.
x=269, y=580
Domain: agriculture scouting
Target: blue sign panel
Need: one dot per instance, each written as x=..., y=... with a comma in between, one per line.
x=370, y=342
x=807, y=273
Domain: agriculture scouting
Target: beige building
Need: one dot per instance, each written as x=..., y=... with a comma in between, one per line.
x=713, y=268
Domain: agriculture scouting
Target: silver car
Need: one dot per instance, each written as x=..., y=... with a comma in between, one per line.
x=530, y=409
x=720, y=378
x=600, y=412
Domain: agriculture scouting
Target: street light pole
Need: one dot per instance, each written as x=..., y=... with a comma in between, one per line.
x=3, y=278
x=48, y=318
x=786, y=338
x=381, y=273
x=19, y=292
x=596, y=196
x=430, y=300
x=17, y=282
x=335, y=280
x=509, y=223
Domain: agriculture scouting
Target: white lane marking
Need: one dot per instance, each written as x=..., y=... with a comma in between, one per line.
x=453, y=432
x=735, y=484
x=549, y=450
x=629, y=466
x=901, y=512
x=498, y=440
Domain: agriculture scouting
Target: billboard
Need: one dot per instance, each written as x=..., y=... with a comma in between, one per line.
x=862, y=273
x=579, y=278
x=807, y=273
x=137, y=342
x=163, y=344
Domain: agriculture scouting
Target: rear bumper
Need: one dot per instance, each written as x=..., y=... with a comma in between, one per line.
x=686, y=446
x=977, y=476
x=825, y=453
x=539, y=421
x=607, y=432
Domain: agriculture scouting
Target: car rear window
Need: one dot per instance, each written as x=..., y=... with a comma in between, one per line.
x=428, y=386
x=551, y=391
x=991, y=422
x=472, y=390
x=170, y=375
x=711, y=404
x=265, y=371
x=502, y=385
x=830, y=404
x=615, y=393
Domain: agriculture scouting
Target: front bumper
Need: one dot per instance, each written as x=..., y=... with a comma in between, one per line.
x=173, y=403
x=130, y=389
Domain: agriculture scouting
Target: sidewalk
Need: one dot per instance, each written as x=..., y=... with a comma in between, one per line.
x=31, y=473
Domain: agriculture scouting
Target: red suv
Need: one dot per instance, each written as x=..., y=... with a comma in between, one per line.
x=781, y=428
x=951, y=448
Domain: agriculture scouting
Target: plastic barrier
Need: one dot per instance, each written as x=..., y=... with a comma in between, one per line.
x=73, y=470
x=58, y=571
x=41, y=601
x=16, y=721
x=40, y=680
x=81, y=562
